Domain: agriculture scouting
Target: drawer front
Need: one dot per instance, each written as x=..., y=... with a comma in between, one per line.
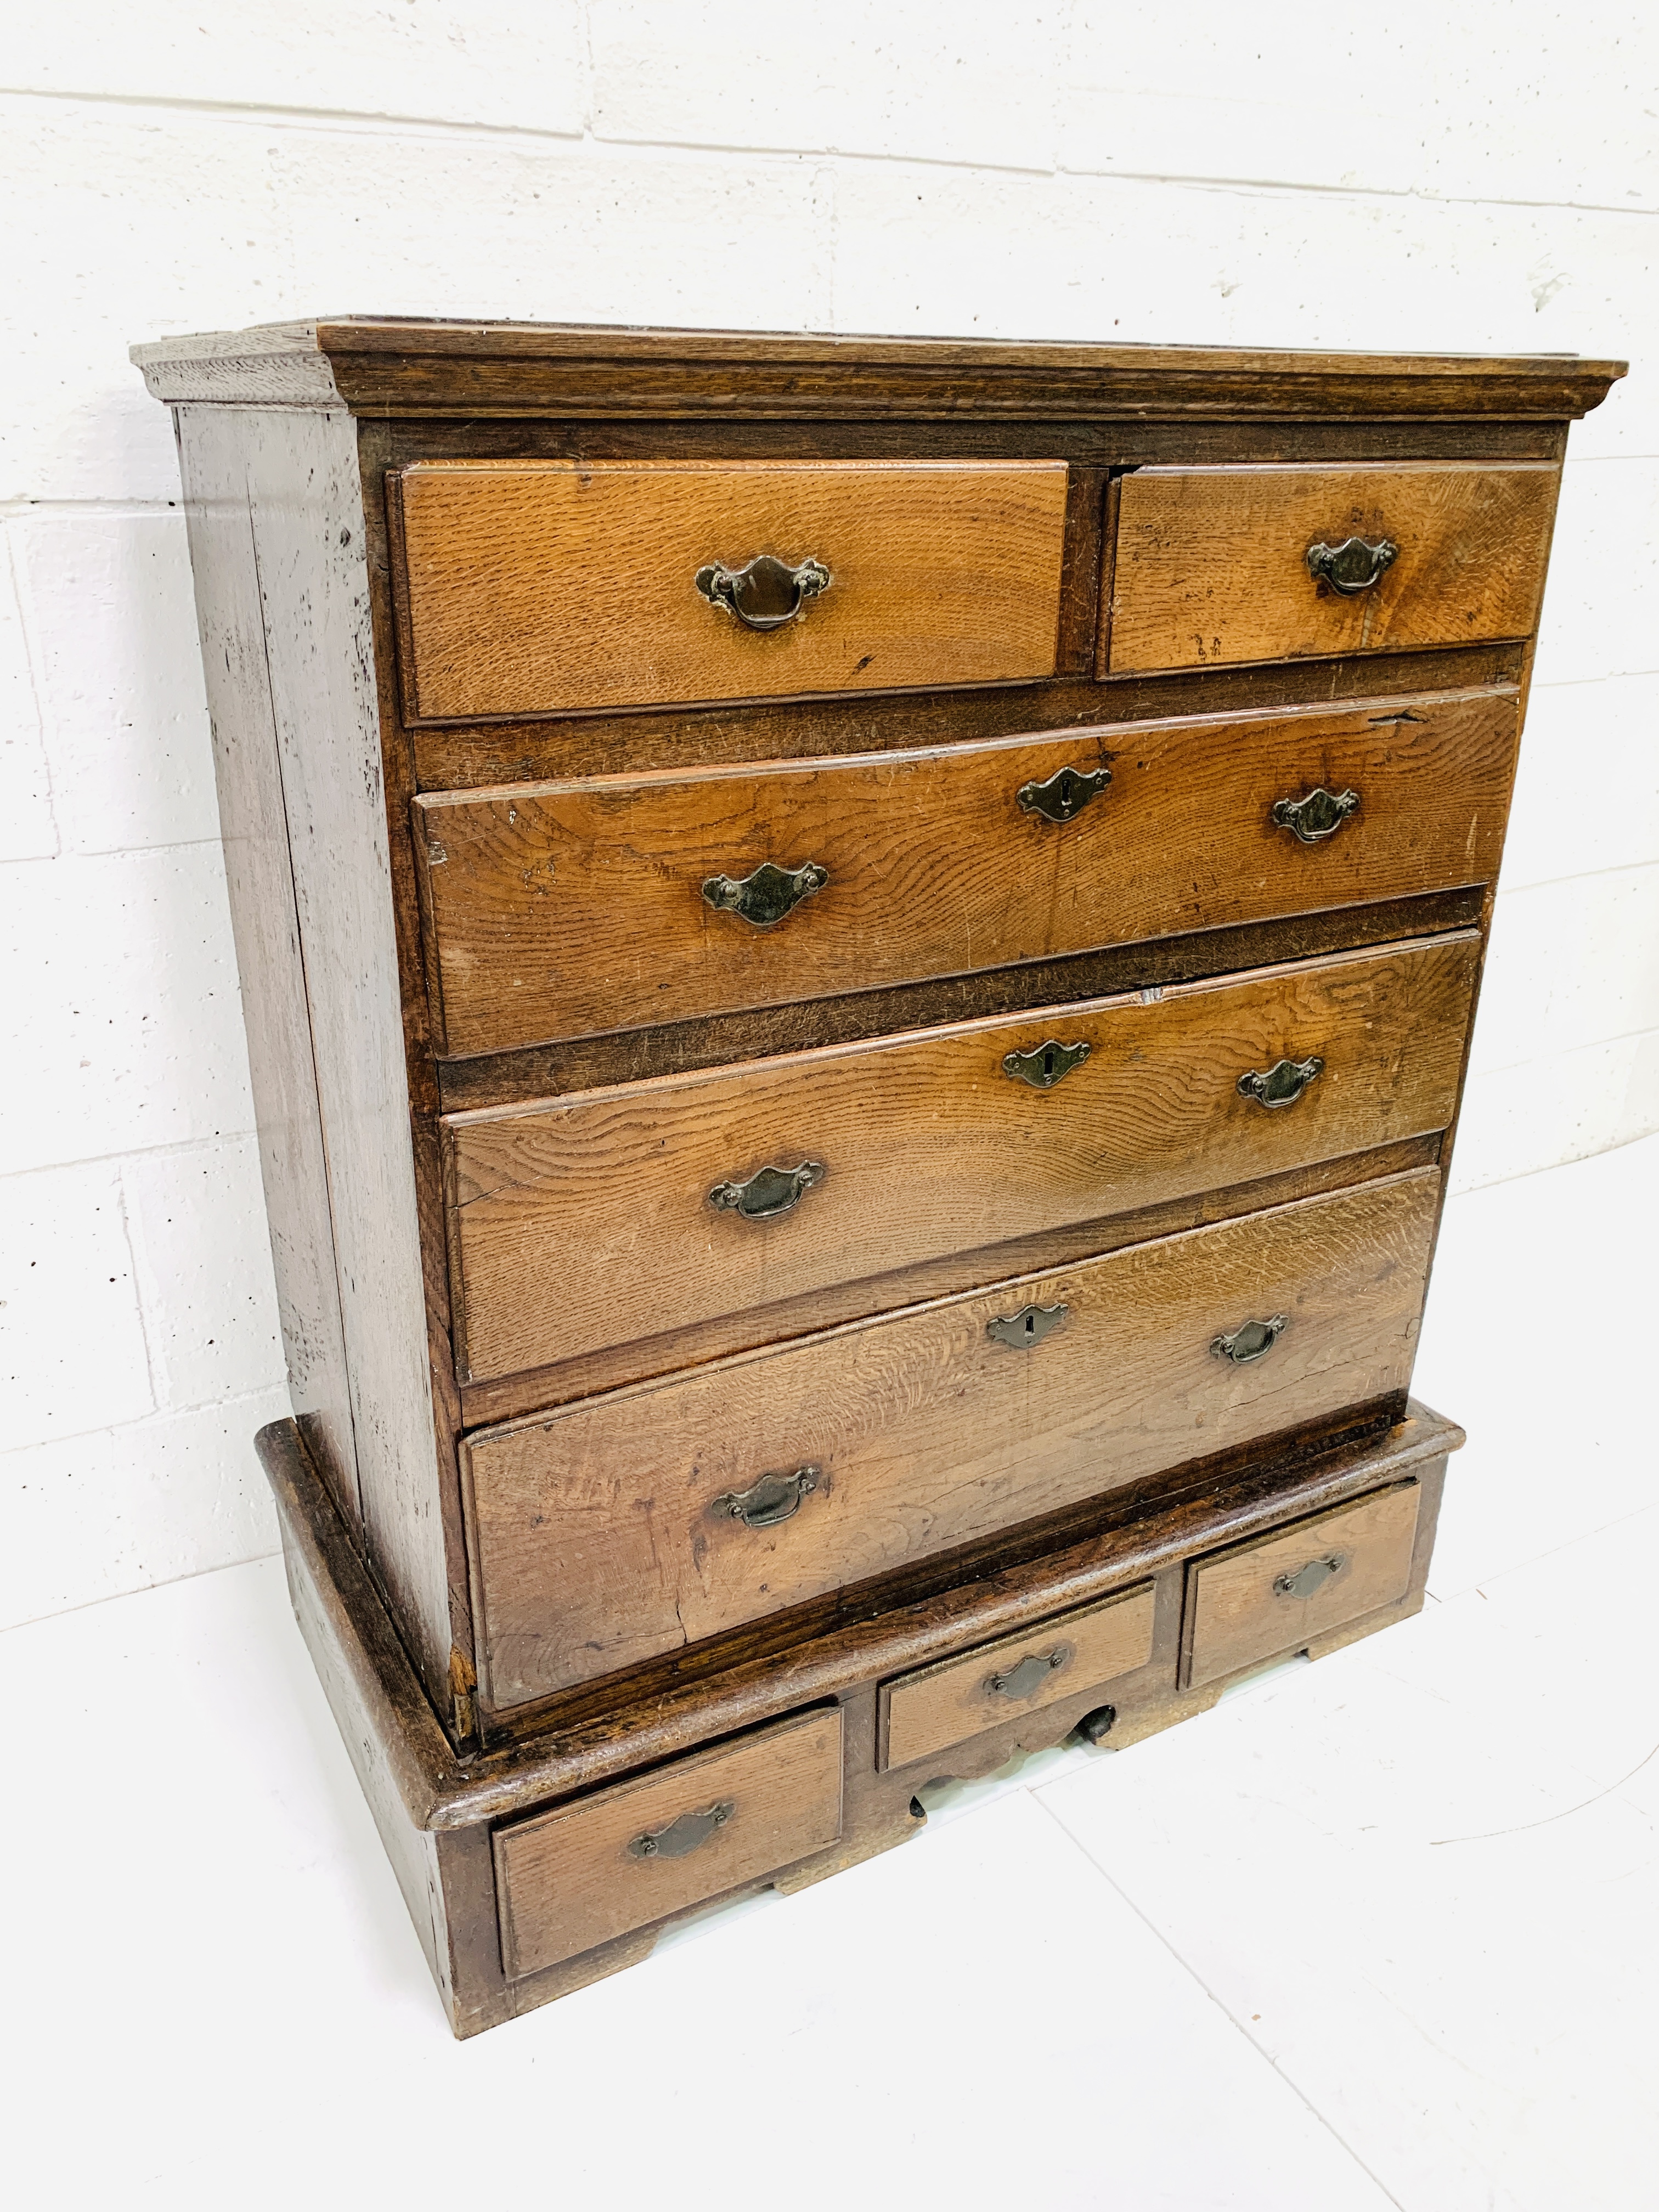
x=1277, y=1594
x=529, y=588
x=1213, y=564
x=567, y=1880
x=944, y=1704
x=629, y=1525
x=620, y=1214
x=558, y=910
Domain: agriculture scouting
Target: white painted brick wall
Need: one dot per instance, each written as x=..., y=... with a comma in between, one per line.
x=1484, y=177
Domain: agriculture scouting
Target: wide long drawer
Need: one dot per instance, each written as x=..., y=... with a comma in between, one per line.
x=613, y=1215
x=531, y=586
x=629, y=1525
x=563, y=909
x=1273, y=562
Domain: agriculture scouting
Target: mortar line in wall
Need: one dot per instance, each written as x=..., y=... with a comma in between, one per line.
x=1484, y=1073
x=448, y=126
x=154, y=1366
x=24, y=602
x=1577, y=876
x=143, y=1420
x=143, y=1589
x=178, y=1151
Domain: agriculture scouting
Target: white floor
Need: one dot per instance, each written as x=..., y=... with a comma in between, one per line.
x=1377, y=1931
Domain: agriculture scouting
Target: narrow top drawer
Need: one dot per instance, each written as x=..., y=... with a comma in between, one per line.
x=1219, y=565
x=529, y=588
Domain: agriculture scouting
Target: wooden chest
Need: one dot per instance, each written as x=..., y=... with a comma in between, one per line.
x=859, y=958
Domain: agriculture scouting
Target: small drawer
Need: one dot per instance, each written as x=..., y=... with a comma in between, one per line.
x=944, y=1704
x=621, y=1526
x=556, y=910
x=1220, y=565
x=531, y=587
x=1280, y=1593
x=569, y=1880
x=694, y=1197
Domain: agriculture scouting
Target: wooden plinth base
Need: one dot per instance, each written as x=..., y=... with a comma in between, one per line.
x=438, y=1809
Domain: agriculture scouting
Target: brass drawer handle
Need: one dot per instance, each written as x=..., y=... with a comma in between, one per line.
x=1045, y=1065
x=1026, y=1327
x=1353, y=566
x=1026, y=1678
x=1254, y=1339
x=1312, y=1577
x=766, y=594
x=766, y=897
x=682, y=1836
x=1066, y=794
x=1316, y=818
x=1282, y=1083
x=775, y=1498
x=768, y=1192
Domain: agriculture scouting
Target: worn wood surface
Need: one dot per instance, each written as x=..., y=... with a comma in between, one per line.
x=631, y=1724
x=1212, y=563
x=454, y=756
x=1239, y=1618
x=587, y=1222
x=593, y=1063
x=536, y=585
x=536, y=1390
x=599, y=1537
x=569, y=1880
x=556, y=910
x=270, y=961
x=296, y=480
x=926, y=1712
x=402, y=365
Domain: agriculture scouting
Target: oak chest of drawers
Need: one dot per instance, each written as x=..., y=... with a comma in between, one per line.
x=859, y=958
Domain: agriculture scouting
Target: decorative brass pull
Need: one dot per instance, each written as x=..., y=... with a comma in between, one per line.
x=1045, y=1065
x=1312, y=1577
x=1353, y=566
x=1282, y=1083
x=768, y=1192
x=1027, y=1326
x=1316, y=818
x=766, y=897
x=775, y=1498
x=683, y=1836
x=1026, y=1678
x=1066, y=794
x=766, y=594
x=1254, y=1341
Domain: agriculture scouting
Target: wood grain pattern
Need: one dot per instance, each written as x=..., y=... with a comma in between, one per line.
x=592, y=1063
x=270, y=962
x=925, y=1713
x=586, y=1222
x=532, y=587
x=454, y=756
x=393, y=365
x=567, y=1881
x=295, y=477
x=556, y=910
x=598, y=1539
x=535, y=1389
x=1237, y=1617
x=1211, y=562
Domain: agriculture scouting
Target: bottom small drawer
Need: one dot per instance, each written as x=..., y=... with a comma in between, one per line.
x=1282, y=1591
x=955, y=1698
x=569, y=1880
